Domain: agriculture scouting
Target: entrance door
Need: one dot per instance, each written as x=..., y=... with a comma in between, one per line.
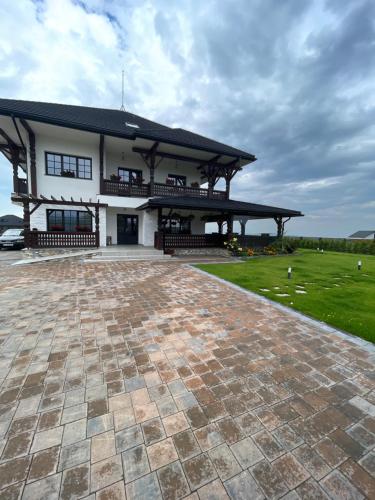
x=127, y=229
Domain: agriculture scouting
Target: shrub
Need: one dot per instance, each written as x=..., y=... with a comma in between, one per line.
x=333, y=244
x=270, y=250
x=233, y=246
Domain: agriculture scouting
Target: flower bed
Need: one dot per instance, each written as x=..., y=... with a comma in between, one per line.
x=277, y=248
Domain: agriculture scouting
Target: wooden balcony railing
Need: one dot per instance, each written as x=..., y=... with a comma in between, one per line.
x=196, y=192
x=119, y=188
x=164, y=241
x=53, y=239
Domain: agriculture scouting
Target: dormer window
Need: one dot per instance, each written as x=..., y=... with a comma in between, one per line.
x=133, y=125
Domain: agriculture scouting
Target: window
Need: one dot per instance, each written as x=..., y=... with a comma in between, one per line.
x=69, y=221
x=176, y=180
x=130, y=175
x=68, y=166
x=177, y=224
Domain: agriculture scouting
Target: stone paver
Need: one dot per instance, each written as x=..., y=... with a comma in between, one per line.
x=149, y=380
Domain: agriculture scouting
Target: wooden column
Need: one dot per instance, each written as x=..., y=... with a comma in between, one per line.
x=151, y=165
x=15, y=161
x=227, y=187
x=26, y=223
x=279, y=223
x=101, y=162
x=230, y=224
x=32, y=184
x=210, y=187
x=160, y=219
x=97, y=233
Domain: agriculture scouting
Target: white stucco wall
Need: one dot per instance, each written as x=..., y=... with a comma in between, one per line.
x=117, y=153
x=69, y=142
x=147, y=224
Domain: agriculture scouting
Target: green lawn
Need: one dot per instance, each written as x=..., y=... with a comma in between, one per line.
x=335, y=291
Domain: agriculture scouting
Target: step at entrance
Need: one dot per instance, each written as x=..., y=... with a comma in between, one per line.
x=128, y=252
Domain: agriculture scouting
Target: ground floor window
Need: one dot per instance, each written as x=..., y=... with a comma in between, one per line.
x=176, y=224
x=69, y=221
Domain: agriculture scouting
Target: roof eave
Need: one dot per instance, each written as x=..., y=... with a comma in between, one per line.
x=132, y=137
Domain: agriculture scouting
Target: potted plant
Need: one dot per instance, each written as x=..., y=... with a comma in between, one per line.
x=57, y=227
x=67, y=173
x=115, y=177
x=82, y=229
x=195, y=184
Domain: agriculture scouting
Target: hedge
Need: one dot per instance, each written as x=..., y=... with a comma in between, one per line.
x=334, y=244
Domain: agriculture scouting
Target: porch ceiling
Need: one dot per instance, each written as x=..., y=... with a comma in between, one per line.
x=223, y=206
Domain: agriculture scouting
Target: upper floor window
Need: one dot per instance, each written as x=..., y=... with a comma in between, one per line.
x=130, y=175
x=176, y=180
x=68, y=166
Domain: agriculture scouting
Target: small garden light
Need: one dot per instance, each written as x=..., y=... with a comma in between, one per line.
x=289, y=273
x=359, y=265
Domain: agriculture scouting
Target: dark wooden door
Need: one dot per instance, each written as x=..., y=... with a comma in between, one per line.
x=127, y=229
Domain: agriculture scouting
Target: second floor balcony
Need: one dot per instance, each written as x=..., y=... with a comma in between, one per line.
x=145, y=190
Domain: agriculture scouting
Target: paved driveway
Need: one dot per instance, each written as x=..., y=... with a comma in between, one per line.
x=7, y=257
x=154, y=380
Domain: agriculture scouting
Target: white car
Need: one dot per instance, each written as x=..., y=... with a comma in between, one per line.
x=12, y=238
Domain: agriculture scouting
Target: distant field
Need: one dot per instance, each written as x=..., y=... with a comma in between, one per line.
x=326, y=286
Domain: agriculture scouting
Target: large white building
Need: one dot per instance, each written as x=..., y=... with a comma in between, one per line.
x=89, y=177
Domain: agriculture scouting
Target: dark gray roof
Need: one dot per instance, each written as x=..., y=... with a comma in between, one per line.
x=227, y=206
x=362, y=234
x=113, y=122
x=11, y=220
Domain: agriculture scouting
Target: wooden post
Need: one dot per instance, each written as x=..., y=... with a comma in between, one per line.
x=151, y=165
x=227, y=187
x=26, y=223
x=32, y=163
x=279, y=223
x=32, y=184
x=160, y=219
x=97, y=233
x=230, y=224
x=15, y=175
x=101, y=162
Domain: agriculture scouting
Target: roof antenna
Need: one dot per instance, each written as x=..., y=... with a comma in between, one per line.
x=122, y=93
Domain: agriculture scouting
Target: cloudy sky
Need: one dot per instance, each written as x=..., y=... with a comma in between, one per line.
x=291, y=81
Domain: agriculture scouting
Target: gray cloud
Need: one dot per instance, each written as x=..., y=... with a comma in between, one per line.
x=292, y=82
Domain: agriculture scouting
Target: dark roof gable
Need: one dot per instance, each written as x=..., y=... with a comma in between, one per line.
x=113, y=122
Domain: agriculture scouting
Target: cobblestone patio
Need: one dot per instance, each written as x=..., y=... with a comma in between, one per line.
x=146, y=381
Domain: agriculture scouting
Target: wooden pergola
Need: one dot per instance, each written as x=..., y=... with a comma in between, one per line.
x=38, y=239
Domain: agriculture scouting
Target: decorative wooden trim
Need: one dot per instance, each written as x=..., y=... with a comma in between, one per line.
x=33, y=182
x=101, y=159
